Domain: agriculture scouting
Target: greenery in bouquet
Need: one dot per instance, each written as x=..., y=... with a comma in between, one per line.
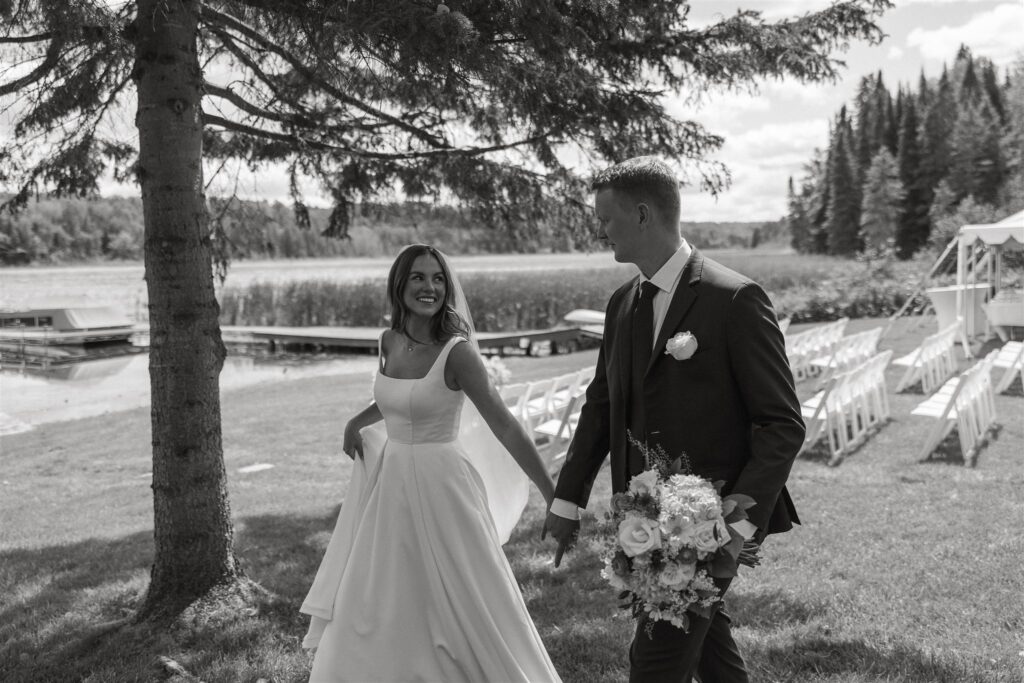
x=669, y=536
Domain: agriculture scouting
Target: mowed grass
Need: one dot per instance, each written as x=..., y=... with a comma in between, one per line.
x=901, y=571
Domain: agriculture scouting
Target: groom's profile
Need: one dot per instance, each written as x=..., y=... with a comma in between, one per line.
x=731, y=406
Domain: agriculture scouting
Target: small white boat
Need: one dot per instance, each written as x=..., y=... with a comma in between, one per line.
x=75, y=326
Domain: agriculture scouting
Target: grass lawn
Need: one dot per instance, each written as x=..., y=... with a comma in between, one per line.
x=902, y=570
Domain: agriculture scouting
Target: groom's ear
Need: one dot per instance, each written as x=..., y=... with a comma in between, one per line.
x=644, y=215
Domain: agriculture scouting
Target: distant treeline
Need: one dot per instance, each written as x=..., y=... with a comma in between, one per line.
x=110, y=228
x=904, y=171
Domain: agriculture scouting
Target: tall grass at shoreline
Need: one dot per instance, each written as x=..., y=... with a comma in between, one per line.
x=804, y=288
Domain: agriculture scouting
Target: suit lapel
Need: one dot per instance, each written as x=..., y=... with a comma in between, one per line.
x=686, y=294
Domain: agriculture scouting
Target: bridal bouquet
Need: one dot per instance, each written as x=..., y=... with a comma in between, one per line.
x=668, y=536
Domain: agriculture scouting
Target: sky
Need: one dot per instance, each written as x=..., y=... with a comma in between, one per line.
x=769, y=135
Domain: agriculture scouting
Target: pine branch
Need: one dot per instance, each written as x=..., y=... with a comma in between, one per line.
x=45, y=67
x=245, y=105
x=300, y=141
x=37, y=38
x=224, y=20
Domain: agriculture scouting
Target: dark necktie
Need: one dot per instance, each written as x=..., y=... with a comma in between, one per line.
x=643, y=338
x=643, y=330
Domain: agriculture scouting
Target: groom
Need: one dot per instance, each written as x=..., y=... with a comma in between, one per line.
x=728, y=403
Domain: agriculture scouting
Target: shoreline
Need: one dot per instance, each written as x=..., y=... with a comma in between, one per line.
x=353, y=371
x=43, y=401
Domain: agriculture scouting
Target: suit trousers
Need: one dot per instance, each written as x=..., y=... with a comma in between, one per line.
x=671, y=655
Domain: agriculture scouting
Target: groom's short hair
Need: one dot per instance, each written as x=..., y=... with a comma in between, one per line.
x=646, y=179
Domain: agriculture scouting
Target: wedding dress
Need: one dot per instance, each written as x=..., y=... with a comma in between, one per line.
x=414, y=585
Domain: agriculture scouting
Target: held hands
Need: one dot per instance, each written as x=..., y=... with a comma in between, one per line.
x=353, y=443
x=565, y=531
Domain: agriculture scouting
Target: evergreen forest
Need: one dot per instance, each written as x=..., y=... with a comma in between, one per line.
x=70, y=230
x=902, y=172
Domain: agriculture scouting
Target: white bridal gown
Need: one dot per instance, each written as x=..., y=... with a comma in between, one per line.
x=414, y=585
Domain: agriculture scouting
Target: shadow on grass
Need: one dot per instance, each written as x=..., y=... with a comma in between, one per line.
x=65, y=617
x=819, y=453
x=66, y=610
x=950, y=450
x=771, y=610
x=575, y=610
x=815, y=657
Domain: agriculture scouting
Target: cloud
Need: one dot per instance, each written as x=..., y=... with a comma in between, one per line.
x=761, y=161
x=901, y=3
x=710, y=11
x=995, y=34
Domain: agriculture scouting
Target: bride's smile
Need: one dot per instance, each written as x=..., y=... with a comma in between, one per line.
x=424, y=291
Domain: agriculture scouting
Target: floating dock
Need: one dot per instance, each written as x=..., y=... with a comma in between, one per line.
x=365, y=339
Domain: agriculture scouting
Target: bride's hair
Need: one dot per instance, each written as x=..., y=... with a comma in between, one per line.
x=447, y=322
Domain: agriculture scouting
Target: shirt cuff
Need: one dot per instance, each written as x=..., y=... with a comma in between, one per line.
x=564, y=508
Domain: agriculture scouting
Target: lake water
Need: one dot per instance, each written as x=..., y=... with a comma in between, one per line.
x=30, y=398
x=123, y=286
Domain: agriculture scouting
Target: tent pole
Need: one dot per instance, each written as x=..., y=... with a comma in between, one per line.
x=961, y=283
x=919, y=289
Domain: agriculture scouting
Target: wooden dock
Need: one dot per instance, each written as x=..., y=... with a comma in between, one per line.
x=364, y=339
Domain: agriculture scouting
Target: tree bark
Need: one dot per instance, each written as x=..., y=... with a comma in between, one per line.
x=192, y=518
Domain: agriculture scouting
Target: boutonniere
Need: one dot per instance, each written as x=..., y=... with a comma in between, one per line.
x=681, y=346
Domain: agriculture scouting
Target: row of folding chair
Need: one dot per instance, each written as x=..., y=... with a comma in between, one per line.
x=965, y=402
x=848, y=352
x=803, y=347
x=851, y=405
x=931, y=363
x=549, y=408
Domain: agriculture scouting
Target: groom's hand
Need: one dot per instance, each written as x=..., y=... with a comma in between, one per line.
x=565, y=531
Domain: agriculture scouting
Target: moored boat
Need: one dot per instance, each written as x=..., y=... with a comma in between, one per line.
x=64, y=326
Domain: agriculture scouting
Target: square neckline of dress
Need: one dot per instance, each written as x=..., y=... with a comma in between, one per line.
x=429, y=370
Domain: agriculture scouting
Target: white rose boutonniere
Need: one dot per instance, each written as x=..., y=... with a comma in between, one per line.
x=681, y=346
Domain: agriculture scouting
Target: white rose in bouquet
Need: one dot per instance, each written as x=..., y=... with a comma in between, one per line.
x=705, y=539
x=676, y=575
x=638, y=535
x=645, y=482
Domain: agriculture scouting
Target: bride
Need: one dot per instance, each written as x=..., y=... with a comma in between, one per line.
x=414, y=585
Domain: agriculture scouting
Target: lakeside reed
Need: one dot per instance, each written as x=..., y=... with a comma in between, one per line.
x=804, y=288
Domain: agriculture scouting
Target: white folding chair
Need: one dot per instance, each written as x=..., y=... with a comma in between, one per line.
x=536, y=402
x=965, y=402
x=557, y=432
x=878, y=395
x=848, y=352
x=514, y=397
x=930, y=363
x=804, y=346
x=820, y=417
x=1011, y=360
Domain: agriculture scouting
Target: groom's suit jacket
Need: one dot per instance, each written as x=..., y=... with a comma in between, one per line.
x=731, y=407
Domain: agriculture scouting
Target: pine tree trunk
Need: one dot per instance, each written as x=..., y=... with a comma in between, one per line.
x=192, y=519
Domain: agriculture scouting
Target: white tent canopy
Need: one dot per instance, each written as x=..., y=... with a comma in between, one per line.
x=971, y=294
x=993, y=234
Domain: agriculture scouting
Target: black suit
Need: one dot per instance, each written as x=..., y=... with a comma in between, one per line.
x=731, y=407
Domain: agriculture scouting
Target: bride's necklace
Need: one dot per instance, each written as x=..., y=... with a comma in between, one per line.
x=412, y=342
